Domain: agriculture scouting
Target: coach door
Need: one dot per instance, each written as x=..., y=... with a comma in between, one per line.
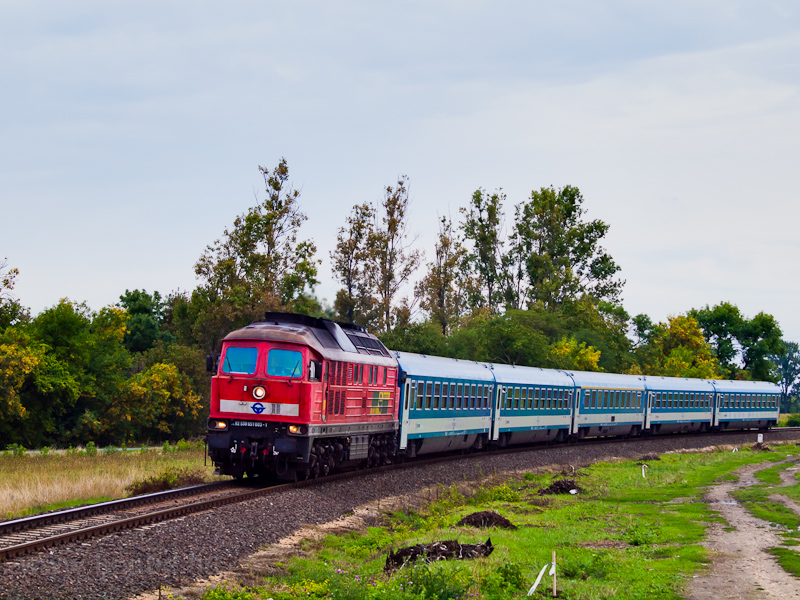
x=404, y=420
x=501, y=392
x=717, y=404
x=575, y=403
x=651, y=396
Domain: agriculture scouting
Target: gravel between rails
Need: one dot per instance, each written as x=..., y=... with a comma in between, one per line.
x=184, y=550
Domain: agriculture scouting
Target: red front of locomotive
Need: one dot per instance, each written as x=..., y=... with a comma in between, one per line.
x=284, y=404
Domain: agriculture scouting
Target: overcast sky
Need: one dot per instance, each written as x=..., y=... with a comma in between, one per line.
x=131, y=132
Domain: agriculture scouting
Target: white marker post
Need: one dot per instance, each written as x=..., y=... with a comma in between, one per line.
x=760, y=438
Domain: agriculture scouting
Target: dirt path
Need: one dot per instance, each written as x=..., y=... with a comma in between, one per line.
x=741, y=570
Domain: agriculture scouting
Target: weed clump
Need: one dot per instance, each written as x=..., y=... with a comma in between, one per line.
x=650, y=456
x=169, y=479
x=762, y=447
x=486, y=518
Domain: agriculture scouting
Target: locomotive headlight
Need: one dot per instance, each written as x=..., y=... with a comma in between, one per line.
x=259, y=392
x=294, y=429
x=221, y=424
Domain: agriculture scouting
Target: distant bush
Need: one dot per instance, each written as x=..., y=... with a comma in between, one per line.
x=169, y=479
x=17, y=450
x=45, y=450
x=91, y=449
x=167, y=449
x=793, y=421
x=189, y=445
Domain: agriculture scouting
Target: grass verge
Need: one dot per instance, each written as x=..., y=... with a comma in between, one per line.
x=31, y=484
x=631, y=533
x=788, y=559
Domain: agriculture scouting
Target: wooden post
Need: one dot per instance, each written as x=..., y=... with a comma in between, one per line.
x=554, y=574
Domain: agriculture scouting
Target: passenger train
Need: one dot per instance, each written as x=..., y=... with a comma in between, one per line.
x=297, y=397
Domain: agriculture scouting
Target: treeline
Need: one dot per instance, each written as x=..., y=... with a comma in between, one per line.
x=536, y=288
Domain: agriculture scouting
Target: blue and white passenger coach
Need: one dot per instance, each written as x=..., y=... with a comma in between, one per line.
x=446, y=404
x=534, y=405
x=608, y=404
x=679, y=404
x=746, y=404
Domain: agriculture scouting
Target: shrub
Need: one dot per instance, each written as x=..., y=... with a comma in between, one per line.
x=222, y=593
x=167, y=449
x=110, y=450
x=91, y=449
x=793, y=421
x=189, y=446
x=17, y=450
x=169, y=479
x=45, y=450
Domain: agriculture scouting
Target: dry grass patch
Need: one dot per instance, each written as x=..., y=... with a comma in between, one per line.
x=34, y=483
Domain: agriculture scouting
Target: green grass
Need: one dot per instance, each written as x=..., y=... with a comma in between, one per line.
x=788, y=559
x=31, y=484
x=625, y=536
x=756, y=500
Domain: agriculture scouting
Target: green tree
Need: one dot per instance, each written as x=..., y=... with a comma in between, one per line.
x=11, y=311
x=482, y=227
x=564, y=259
x=440, y=291
x=353, y=303
x=145, y=318
x=787, y=364
x=676, y=349
x=734, y=337
x=390, y=260
x=259, y=264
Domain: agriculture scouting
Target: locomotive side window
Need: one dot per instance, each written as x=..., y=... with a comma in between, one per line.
x=285, y=363
x=241, y=360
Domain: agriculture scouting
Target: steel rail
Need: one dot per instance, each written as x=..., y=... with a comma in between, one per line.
x=174, y=512
x=73, y=514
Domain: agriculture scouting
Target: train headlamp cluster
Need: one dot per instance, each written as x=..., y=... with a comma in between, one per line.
x=294, y=428
x=218, y=424
x=259, y=393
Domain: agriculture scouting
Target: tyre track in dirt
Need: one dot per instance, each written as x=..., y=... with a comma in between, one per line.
x=741, y=568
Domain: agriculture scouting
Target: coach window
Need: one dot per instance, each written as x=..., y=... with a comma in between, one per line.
x=452, y=395
x=410, y=396
x=445, y=394
x=458, y=397
x=436, y=394
x=525, y=400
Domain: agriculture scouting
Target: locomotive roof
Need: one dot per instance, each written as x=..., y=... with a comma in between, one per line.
x=332, y=340
x=422, y=365
x=517, y=375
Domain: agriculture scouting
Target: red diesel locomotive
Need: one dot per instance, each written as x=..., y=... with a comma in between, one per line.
x=296, y=396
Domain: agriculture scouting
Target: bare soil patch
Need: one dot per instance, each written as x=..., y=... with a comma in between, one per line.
x=561, y=486
x=487, y=518
x=741, y=568
x=444, y=550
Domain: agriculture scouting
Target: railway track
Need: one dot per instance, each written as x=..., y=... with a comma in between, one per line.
x=32, y=534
